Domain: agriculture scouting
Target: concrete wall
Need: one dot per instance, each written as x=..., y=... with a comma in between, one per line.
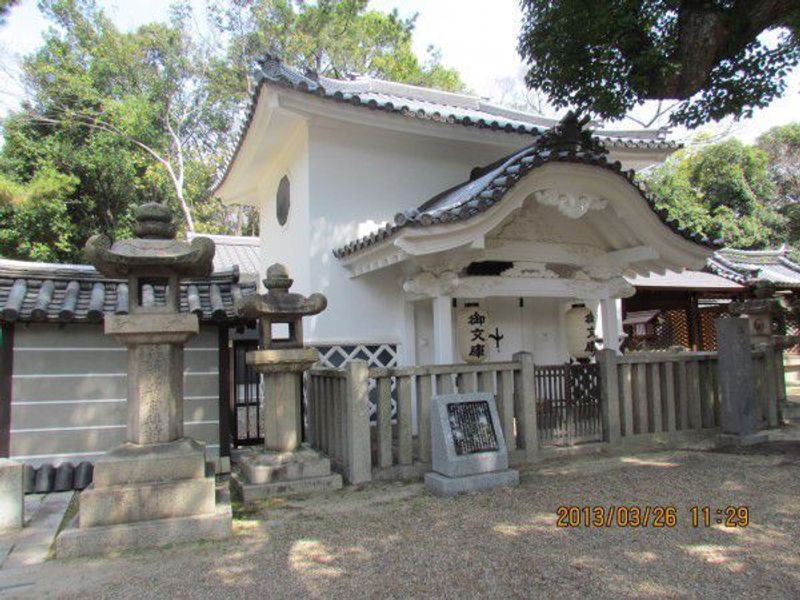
x=69, y=389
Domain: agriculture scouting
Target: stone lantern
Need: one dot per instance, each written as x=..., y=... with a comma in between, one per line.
x=284, y=465
x=152, y=490
x=760, y=311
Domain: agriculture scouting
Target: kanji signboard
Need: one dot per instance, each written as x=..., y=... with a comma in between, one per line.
x=473, y=334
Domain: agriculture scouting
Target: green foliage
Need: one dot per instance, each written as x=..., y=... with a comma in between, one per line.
x=724, y=191
x=782, y=147
x=331, y=37
x=115, y=118
x=608, y=56
x=34, y=219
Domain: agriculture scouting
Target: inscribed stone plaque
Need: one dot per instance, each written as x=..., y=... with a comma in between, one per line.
x=466, y=435
x=471, y=427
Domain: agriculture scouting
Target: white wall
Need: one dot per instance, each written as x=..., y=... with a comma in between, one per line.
x=536, y=327
x=346, y=181
x=359, y=178
x=288, y=244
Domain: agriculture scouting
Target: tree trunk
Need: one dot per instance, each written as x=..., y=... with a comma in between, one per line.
x=187, y=213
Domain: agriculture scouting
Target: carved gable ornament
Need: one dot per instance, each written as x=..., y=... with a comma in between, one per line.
x=570, y=205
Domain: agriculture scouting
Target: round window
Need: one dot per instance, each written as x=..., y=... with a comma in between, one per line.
x=283, y=203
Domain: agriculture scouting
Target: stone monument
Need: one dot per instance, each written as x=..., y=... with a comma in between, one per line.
x=468, y=448
x=12, y=500
x=153, y=489
x=737, y=382
x=284, y=465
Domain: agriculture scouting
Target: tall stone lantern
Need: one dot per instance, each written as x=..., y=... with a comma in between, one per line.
x=152, y=490
x=284, y=465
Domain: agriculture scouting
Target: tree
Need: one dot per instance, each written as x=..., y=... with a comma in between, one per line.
x=721, y=190
x=333, y=38
x=608, y=56
x=149, y=90
x=782, y=147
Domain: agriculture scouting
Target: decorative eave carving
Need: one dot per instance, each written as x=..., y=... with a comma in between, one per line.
x=524, y=268
x=568, y=204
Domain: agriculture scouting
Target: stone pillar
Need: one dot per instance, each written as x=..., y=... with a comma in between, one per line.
x=281, y=412
x=155, y=372
x=610, y=324
x=443, y=330
x=609, y=395
x=11, y=495
x=737, y=381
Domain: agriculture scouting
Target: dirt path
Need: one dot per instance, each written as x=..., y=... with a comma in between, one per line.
x=396, y=541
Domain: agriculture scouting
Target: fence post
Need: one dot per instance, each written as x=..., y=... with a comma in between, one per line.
x=357, y=451
x=609, y=395
x=770, y=384
x=525, y=405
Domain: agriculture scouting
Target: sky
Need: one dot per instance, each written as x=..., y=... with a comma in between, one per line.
x=476, y=37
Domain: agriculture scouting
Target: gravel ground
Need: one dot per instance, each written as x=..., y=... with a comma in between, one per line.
x=393, y=540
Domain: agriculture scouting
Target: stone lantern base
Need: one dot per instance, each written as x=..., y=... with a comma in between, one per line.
x=147, y=495
x=262, y=474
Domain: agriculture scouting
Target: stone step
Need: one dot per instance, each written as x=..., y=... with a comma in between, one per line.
x=145, y=501
x=313, y=485
x=132, y=463
x=93, y=541
x=270, y=467
x=791, y=411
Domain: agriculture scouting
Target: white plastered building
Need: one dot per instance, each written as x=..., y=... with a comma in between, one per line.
x=403, y=205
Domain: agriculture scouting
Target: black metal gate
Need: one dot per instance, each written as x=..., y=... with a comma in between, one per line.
x=568, y=403
x=246, y=395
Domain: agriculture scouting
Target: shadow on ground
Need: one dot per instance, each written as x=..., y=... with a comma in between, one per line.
x=392, y=540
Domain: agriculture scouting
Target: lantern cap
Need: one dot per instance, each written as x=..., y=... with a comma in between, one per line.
x=154, y=249
x=279, y=304
x=278, y=278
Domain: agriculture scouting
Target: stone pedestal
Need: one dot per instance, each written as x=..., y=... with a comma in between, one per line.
x=147, y=495
x=12, y=499
x=283, y=467
x=301, y=471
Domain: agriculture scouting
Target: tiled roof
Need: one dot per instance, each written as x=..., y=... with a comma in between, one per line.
x=434, y=106
x=567, y=142
x=46, y=292
x=696, y=280
x=235, y=250
x=748, y=266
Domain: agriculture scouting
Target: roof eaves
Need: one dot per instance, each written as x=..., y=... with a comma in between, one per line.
x=492, y=185
x=275, y=73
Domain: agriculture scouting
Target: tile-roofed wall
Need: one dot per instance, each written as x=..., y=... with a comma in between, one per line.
x=236, y=251
x=748, y=266
x=45, y=292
